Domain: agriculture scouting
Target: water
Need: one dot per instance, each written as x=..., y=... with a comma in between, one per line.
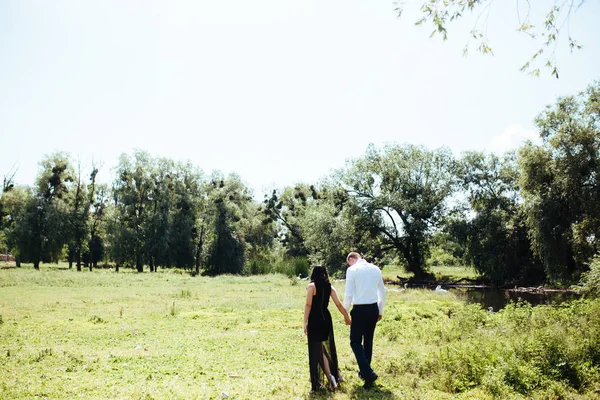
x=499, y=298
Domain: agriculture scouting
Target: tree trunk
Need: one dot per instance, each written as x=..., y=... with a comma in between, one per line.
x=138, y=264
x=412, y=254
x=198, y=259
x=199, y=251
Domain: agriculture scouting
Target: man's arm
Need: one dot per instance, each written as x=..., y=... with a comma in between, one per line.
x=349, y=292
x=380, y=296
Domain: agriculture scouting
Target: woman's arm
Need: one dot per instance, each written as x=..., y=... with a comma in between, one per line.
x=310, y=292
x=340, y=306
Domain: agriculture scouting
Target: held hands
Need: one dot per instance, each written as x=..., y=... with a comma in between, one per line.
x=379, y=317
x=348, y=320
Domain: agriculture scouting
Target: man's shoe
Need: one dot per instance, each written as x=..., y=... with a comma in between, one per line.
x=369, y=382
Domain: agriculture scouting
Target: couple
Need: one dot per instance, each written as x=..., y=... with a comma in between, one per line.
x=365, y=291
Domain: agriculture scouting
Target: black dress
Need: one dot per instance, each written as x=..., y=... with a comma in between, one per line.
x=320, y=337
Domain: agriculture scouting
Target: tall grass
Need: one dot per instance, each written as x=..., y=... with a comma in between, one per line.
x=291, y=267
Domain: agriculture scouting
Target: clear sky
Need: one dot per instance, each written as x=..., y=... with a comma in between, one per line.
x=277, y=91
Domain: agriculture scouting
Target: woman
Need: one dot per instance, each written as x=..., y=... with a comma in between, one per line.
x=319, y=329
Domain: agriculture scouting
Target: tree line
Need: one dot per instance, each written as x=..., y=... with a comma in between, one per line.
x=528, y=216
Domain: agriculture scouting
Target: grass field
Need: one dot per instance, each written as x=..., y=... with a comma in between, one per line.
x=166, y=335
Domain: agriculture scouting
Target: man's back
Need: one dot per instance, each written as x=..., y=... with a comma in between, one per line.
x=364, y=285
x=365, y=278
x=366, y=293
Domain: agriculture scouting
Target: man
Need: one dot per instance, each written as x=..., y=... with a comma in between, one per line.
x=366, y=293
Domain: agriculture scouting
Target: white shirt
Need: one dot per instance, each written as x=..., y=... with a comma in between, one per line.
x=364, y=285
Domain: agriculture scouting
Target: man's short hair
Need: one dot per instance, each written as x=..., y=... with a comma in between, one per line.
x=353, y=254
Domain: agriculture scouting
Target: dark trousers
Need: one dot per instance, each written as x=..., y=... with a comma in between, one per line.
x=364, y=319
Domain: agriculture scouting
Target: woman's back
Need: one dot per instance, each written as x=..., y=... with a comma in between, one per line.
x=319, y=320
x=322, y=354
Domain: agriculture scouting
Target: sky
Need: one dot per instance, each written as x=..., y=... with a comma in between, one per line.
x=278, y=91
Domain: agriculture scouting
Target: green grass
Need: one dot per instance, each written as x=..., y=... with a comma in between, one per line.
x=441, y=273
x=101, y=335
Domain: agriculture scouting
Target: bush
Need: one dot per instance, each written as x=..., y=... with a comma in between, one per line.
x=292, y=267
x=441, y=258
x=519, y=351
x=591, y=280
x=257, y=266
x=300, y=266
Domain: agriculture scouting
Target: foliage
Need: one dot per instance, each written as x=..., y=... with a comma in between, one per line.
x=286, y=209
x=328, y=230
x=161, y=216
x=78, y=204
x=439, y=256
x=133, y=203
x=15, y=204
x=295, y=268
x=494, y=237
x=559, y=183
x=590, y=281
x=522, y=219
x=439, y=14
x=519, y=351
x=39, y=227
x=98, y=200
x=231, y=201
x=399, y=194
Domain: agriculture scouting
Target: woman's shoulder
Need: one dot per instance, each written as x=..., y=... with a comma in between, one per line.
x=311, y=285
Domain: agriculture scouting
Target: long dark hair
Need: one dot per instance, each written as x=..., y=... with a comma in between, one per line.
x=319, y=275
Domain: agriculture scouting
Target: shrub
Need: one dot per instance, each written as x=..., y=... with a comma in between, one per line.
x=439, y=257
x=591, y=280
x=293, y=267
x=258, y=266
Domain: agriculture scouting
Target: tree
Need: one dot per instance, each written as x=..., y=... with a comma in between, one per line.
x=131, y=191
x=495, y=236
x=201, y=231
x=16, y=202
x=98, y=199
x=158, y=237
x=400, y=193
x=559, y=183
x=42, y=230
x=78, y=220
x=227, y=250
x=259, y=233
x=189, y=200
x=8, y=183
x=440, y=13
x=287, y=210
x=7, y=186
x=327, y=229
